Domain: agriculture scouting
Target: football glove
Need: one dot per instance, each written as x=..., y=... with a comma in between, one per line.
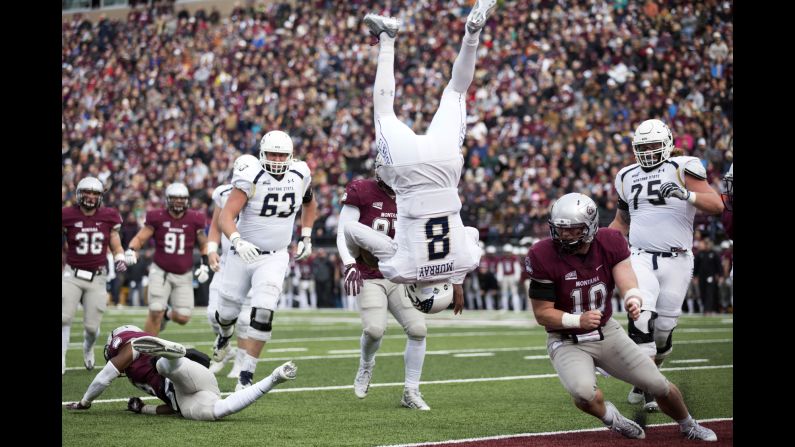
x=202, y=274
x=130, y=257
x=353, y=280
x=671, y=189
x=304, y=248
x=135, y=404
x=246, y=250
x=120, y=263
x=79, y=405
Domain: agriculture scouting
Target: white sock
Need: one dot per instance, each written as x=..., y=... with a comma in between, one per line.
x=89, y=338
x=369, y=348
x=609, y=415
x=384, y=86
x=464, y=65
x=249, y=364
x=414, y=358
x=241, y=355
x=686, y=422
x=65, y=335
x=243, y=398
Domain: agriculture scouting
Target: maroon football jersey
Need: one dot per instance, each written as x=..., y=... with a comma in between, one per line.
x=489, y=262
x=142, y=372
x=508, y=264
x=175, y=238
x=87, y=237
x=582, y=283
x=376, y=210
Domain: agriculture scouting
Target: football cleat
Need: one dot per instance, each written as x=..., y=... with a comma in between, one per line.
x=626, y=427
x=651, y=403
x=382, y=24
x=216, y=367
x=244, y=380
x=158, y=347
x=635, y=395
x=285, y=372
x=480, y=12
x=697, y=431
x=361, y=384
x=412, y=398
x=88, y=359
x=221, y=348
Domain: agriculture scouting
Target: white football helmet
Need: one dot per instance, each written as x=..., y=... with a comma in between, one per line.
x=430, y=298
x=652, y=143
x=89, y=184
x=114, y=333
x=574, y=210
x=728, y=189
x=278, y=142
x=177, y=196
x=507, y=248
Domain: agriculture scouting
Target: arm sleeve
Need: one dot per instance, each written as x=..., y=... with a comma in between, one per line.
x=619, y=189
x=542, y=287
x=695, y=168
x=101, y=381
x=347, y=214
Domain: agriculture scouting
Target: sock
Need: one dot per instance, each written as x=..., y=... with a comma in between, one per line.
x=686, y=422
x=384, y=86
x=414, y=358
x=239, y=357
x=464, y=65
x=89, y=338
x=243, y=398
x=249, y=363
x=369, y=348
x=610, y=415
x=65, y=335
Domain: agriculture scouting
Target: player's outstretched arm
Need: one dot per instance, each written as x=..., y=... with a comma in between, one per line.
x=104, y=378
x=138, y=241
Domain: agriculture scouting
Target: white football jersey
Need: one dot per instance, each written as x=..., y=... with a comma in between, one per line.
x=268, y=218
x=657, y=223
x=220, y=196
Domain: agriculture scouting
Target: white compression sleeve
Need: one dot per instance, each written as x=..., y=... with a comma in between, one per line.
x=347, y=214
x=101, y=381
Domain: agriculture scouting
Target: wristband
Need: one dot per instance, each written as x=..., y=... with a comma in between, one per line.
x=306, y=232
x=570, y=321
x=234, y=236
x=149, y=409
x=692, y=197
x=212, y=247
x=119, y=257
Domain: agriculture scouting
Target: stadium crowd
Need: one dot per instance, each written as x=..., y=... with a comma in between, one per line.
x=166, y=96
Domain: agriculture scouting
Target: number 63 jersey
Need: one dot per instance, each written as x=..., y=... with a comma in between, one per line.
x=657, y=223
x=268, y=218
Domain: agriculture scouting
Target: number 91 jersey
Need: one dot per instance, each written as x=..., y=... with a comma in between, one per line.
x=658, y=223
x=268, y=218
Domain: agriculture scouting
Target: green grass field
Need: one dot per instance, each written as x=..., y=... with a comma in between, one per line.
x=486, y=373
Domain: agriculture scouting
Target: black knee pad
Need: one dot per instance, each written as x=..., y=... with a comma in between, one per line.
x=218, y=319
x=640, y=337
x=668, y=345
x=264, y=323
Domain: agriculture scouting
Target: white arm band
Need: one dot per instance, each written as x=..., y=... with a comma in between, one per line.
x=347, y=214
x=101, y=381
x=570, y=321
x=692, y=198
x=233, y=237
x=212, y=247
x=149, y=409
x=306, y=232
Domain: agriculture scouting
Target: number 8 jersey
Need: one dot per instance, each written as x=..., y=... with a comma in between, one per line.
x=268, y=218
x=657, y=223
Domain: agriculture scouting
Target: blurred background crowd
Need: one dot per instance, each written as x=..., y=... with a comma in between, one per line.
x=165, y=95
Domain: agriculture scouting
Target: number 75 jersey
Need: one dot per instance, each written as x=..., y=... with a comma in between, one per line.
x=268, y=218
x=657, y=223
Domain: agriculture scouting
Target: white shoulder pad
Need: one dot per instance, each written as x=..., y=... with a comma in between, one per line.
x=619, y=182
x=220, y=194
x=692, y=166
x=303, y=169
x=244, y=178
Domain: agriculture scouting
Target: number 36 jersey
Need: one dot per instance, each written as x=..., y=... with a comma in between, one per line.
x=657, y=223
x=268, y=218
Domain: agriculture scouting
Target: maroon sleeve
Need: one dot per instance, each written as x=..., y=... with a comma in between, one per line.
x=351, y=196
x=534, y=266
x=112, y=216
x=199, y=220
x=152, y=218
x=615, y=244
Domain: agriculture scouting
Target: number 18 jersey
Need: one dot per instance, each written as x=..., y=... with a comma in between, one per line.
x=268, y=218
x=657, y=223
